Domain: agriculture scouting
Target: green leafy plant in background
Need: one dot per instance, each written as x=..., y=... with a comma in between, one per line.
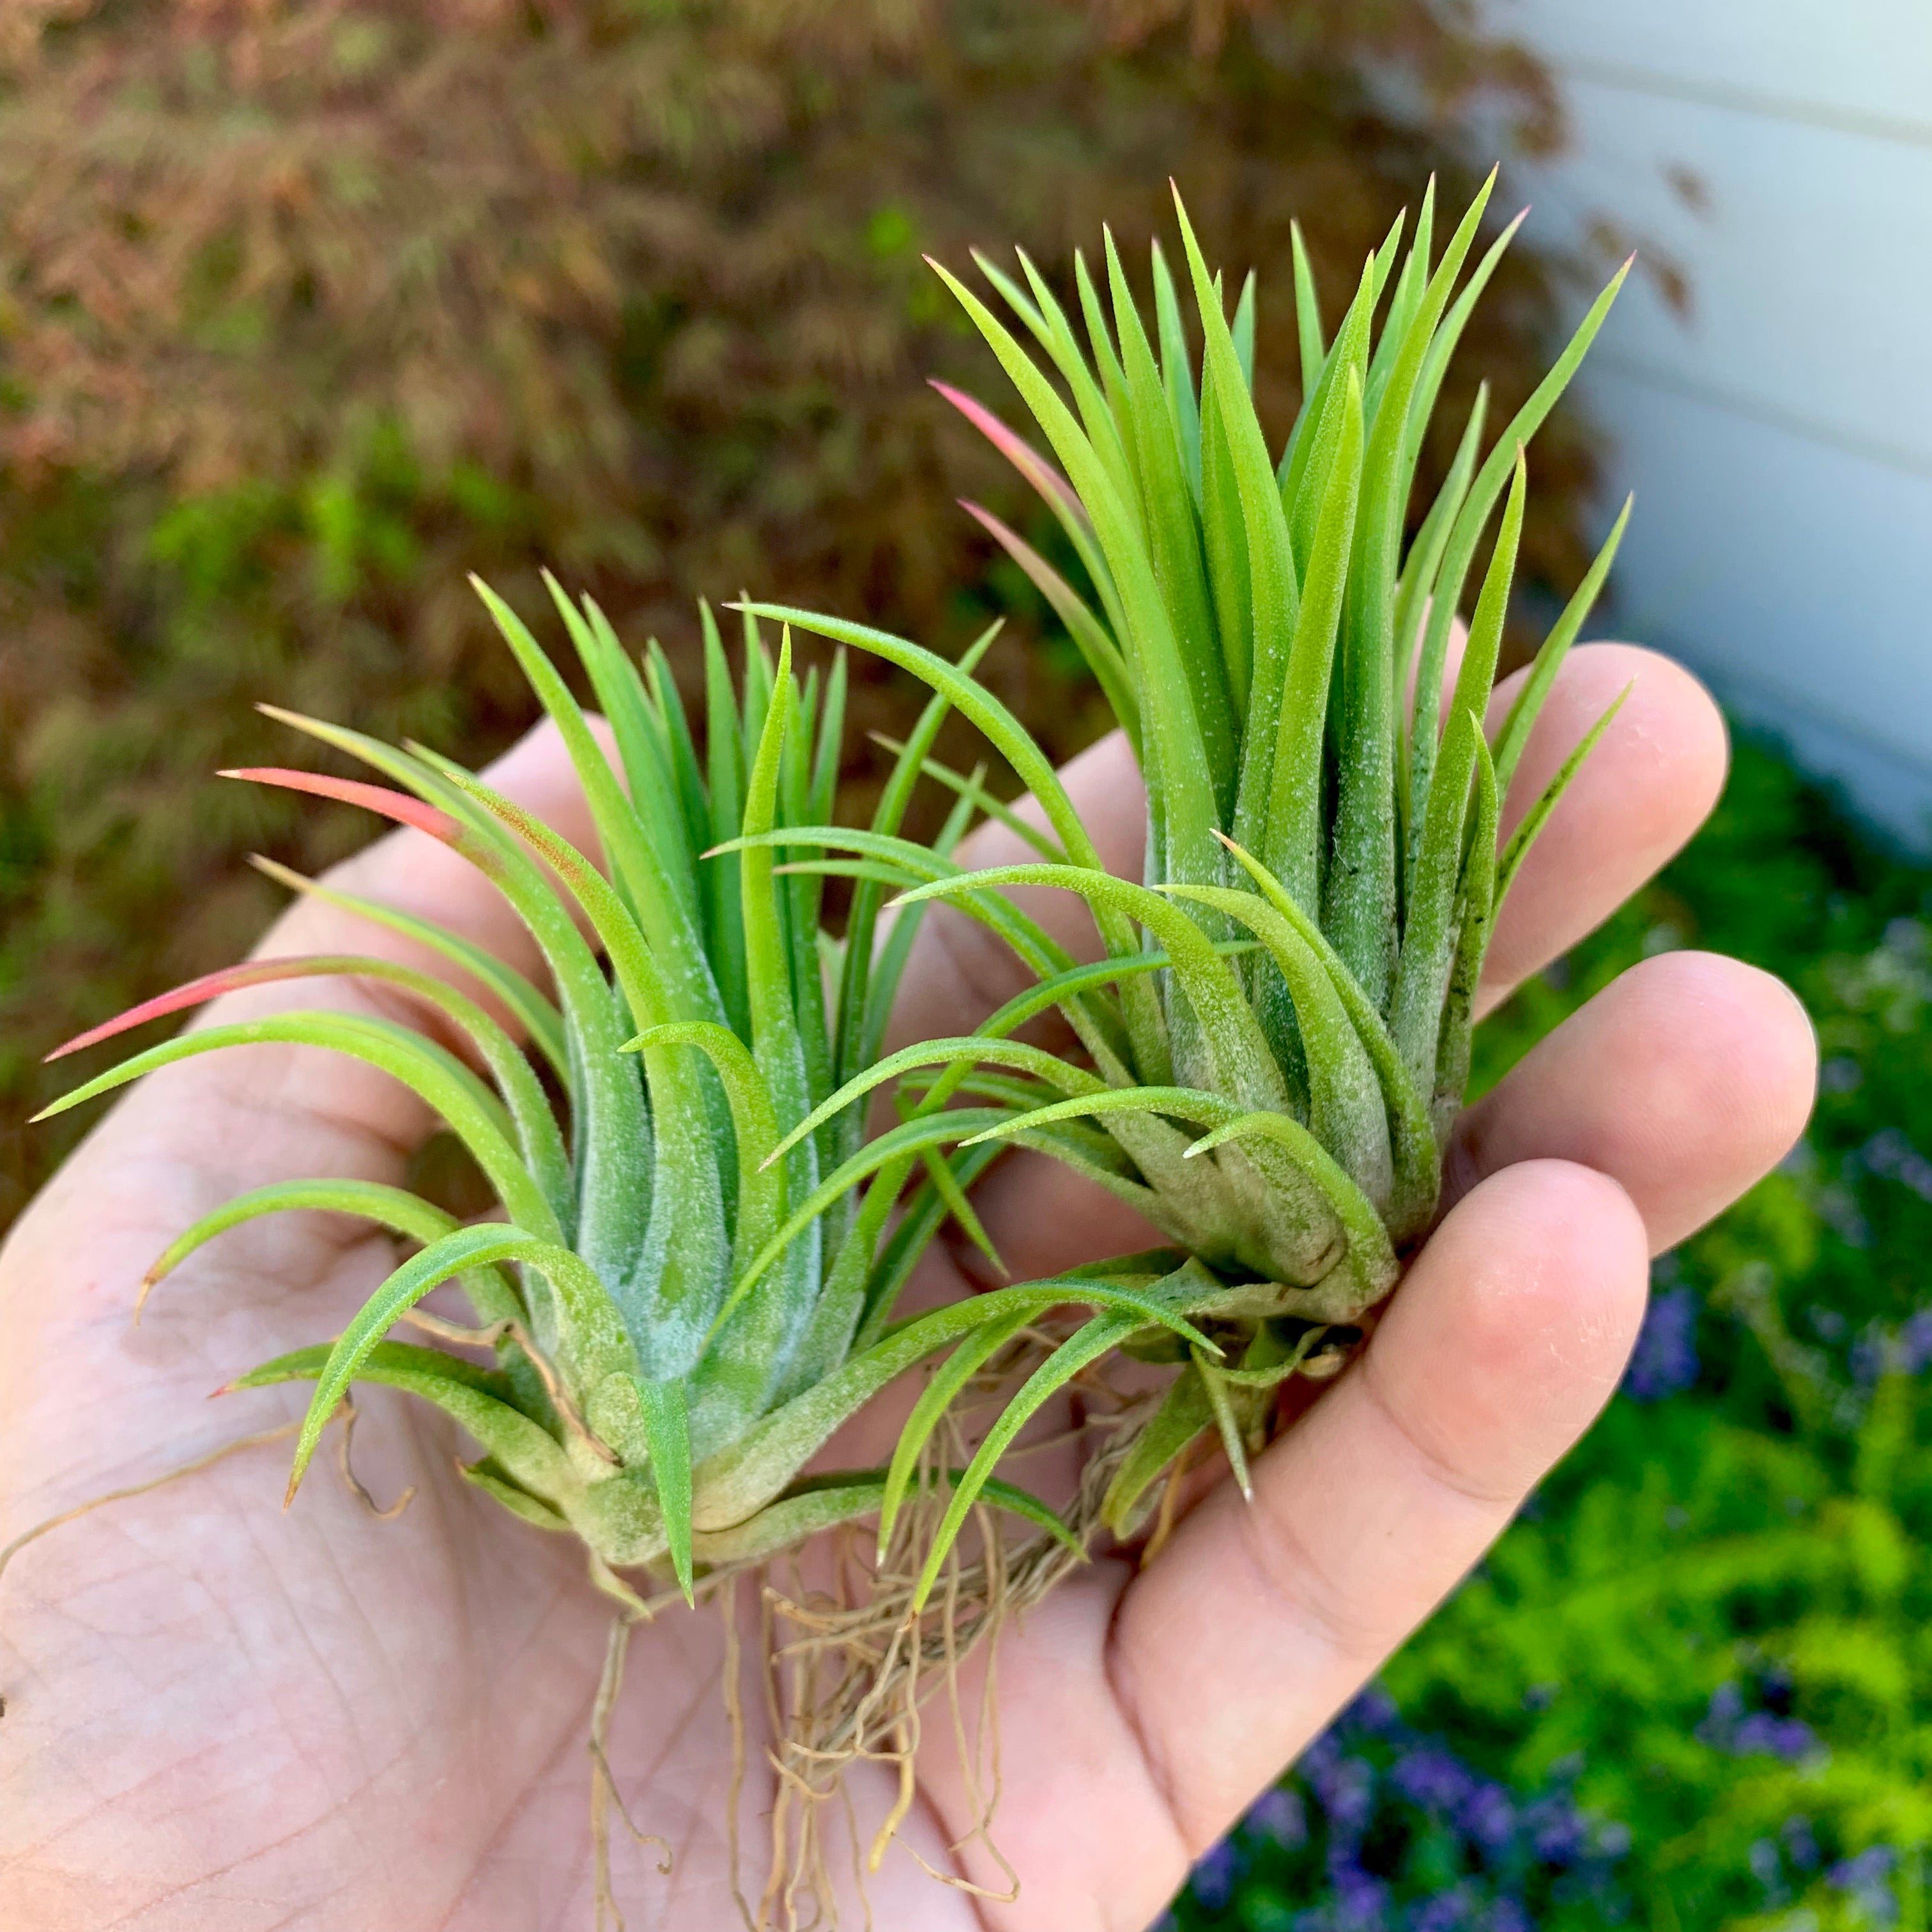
x=1255, y=616
x=1690, y=1690
x=313, y=308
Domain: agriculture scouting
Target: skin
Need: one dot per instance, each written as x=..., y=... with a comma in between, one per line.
x=223, y=1718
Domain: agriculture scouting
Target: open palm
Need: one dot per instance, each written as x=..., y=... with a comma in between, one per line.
x=221, y=1719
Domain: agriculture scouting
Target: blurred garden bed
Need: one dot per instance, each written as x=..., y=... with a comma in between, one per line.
x=1692, y=1688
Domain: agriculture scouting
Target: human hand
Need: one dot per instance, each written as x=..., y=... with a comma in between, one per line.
x=218, y=1717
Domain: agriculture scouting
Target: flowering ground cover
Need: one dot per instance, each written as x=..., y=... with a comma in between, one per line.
x=1692, y=1688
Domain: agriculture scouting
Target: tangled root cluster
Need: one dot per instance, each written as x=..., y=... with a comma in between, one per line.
x=847, y=1669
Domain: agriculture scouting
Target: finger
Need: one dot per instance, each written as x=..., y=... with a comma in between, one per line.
x=1507, y=1338
x=1220, y=1661
x=958, y=972
x=1684, y=1080
x=1649, y=783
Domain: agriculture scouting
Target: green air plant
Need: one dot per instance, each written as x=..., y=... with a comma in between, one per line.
x=639, y=1399
x=1277, y=1039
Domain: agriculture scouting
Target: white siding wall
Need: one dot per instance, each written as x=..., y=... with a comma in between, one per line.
x=1780, y=440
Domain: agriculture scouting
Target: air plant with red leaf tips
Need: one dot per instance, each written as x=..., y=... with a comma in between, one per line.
x=651, y=1393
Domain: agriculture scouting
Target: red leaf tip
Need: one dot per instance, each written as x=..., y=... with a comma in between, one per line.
x=398, y=806
x=197, y=992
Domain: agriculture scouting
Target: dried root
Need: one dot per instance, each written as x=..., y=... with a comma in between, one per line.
x=604, y=1795
x=175, y=1475
x=353, y=1482
x=850, y=1669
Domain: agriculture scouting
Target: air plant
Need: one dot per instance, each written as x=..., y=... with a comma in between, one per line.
x=647, y=1395
x=1276, y=1041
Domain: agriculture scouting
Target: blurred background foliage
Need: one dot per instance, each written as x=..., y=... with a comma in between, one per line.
x=309, y=308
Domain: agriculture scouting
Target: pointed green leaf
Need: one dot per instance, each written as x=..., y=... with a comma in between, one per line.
x=1097, y=650
x=1424, y=708
x=1549, y=660
x=594, y=1335
x=1184, y=1417
x=1086, y=1345
x=637, y=858
x=670, y=1438
x=1417, y=1157
x=1538, y=816
x=1290, y=834
x=536, y=1014
x=431, y=1071
x=1348, y=1112
x=1307, y=312
x=475, y=1399
x=1240, y=1053
x=1468, y=530
x=1370, y=1261
x=729, y=1487
x=940, y=1392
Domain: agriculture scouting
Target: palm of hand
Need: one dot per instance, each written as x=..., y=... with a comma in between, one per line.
x=219, y=1718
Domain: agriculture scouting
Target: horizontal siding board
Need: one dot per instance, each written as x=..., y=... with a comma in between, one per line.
x=1810, y=272
x=1863, y=60
x=1798, y=577
x=1779, y=439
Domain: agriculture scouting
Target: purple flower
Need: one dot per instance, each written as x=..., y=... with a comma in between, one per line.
x=1789, y=1738
x=1727, y=1707
x=1664, y=1362
x=1801, y=1841
x=1867, y=1877
x=1321, y=1757
x=1866, y=1873
x=1889, y=1154
x=1446, y=1911
x=1373, y=1711
x=1868, y=1353
x=1345, y=1790
x=1279, y=1815
x=1915, y=1342
x=1557, y=1831
x=1729, y=1727
x=1433, y=1778
x=1212, y=1880
x=1370, y=1761
x=1488, y=1816
x=1360, y=1900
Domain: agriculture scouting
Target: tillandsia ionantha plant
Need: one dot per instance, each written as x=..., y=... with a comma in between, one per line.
x=648, y=1394
x=1277, y=1038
